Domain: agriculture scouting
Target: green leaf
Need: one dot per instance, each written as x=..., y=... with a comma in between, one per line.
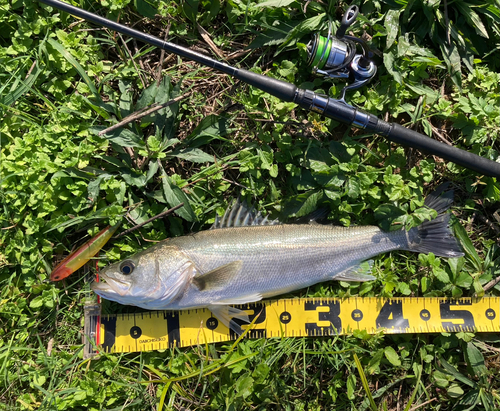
x=37, y=302
x=441, y=379
x=260, y=373
x=456, y=265
x=68, y=56
x=478, y=288
x=193, y=154
x=272, y=3
x=466, y=243
x=306, y=26
x=453, y=62
x=424, y=284
x=145, y=8
x=351, y=386
x=472, y=17
x=454, y=373
x=302, y=204
x=94, y=187
x=441, y=275
x=20, y=86
x=385, y=214
x=190, y=9
x=210, y=128
x=364, y=381
x=492, y=191
x=392, y=356
x=175, y=196
x=391, y=23
x=463, y=280
x=134, y=178
x=475, y=360
x=39, y=379
x=245, y=385
x=455, y=391
x=153, y=168
x=389, y=65
x=121, y=136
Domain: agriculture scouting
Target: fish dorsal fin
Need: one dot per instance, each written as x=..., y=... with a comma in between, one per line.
x=359, y=272
x=219, y=277
x=241, y=215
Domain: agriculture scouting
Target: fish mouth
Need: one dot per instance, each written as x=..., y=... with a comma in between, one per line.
x=110, y=286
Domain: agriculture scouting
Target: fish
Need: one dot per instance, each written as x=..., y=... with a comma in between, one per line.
x=245, y=257
x=78, y=258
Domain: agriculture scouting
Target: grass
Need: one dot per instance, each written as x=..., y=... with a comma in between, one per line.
x=63, y=81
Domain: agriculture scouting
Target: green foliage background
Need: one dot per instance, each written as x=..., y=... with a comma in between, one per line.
x=62, y=81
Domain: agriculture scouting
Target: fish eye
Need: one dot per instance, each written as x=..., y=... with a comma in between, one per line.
x=127, y=267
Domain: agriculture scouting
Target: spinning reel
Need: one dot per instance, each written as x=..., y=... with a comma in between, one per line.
x=337, y=57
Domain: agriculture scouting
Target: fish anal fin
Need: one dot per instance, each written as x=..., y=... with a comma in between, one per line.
x=225, y=314
x=359, y=272
x=245, y=299
x=218, y=277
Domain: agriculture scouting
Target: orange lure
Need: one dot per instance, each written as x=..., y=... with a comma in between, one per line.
x=78, y=258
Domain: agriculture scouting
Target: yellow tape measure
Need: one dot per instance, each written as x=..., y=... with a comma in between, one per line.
x=301, y=317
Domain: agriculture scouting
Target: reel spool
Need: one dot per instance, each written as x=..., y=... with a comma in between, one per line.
x=337, y=57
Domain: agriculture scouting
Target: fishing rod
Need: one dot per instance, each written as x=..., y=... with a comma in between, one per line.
x=333, y=56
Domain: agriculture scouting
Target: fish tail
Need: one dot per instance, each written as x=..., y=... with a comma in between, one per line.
x=436, y=236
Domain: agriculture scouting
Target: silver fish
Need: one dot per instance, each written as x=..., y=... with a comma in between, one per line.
x=245, y=258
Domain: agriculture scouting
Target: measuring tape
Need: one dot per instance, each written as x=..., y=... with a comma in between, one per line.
x=300, y=317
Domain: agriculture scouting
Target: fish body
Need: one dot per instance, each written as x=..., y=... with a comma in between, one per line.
x=245, y=259
x=272, y=260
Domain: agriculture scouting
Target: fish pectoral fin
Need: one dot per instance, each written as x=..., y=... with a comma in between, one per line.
x=227, y=315
x=219, y=277
x=359, y=272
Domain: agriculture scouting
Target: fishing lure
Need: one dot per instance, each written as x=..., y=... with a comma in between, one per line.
x=78, y=258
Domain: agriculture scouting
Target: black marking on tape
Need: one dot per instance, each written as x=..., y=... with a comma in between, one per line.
x=135, y=332
x=391, y=316
x=109, y=324
x=332, y=316
x=447, y=311
x=490, y=314
x=285, y=317
x=173, y=328
x=259, y=309
x=212, y=323
x=357, y=315
x=425, y=315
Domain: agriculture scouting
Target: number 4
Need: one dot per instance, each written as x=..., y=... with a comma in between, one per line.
x=391, y=316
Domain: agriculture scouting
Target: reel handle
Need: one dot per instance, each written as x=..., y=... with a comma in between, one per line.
x=348, y=20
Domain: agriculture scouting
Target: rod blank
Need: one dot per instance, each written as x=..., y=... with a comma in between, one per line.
x=307, y=99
